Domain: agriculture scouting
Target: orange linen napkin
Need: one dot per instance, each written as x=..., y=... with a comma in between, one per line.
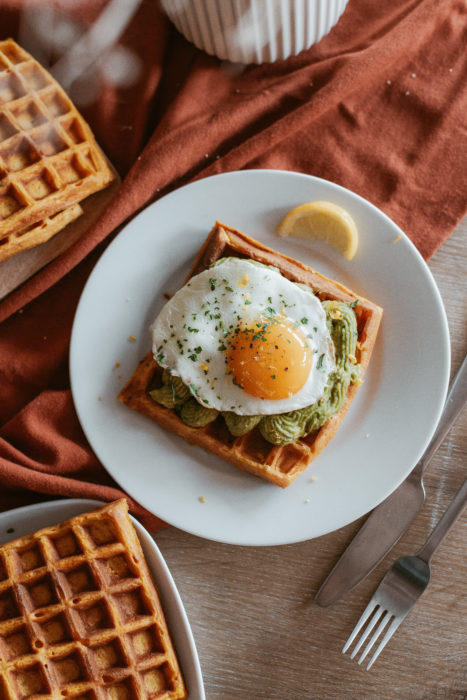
x=378, y=106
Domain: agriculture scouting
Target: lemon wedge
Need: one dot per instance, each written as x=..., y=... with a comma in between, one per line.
x=323, y=220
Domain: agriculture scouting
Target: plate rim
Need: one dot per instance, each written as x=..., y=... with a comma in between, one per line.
x=421, y=263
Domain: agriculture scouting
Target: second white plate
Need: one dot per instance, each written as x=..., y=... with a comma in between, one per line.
x=387, y=427
x=23, y=521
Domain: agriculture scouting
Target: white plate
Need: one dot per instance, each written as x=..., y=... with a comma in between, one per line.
x=24, y=521
x=387, y=427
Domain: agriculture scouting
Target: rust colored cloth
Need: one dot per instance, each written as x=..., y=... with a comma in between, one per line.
x=378, y=106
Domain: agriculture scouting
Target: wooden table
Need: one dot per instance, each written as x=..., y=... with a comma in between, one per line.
x=257, y=630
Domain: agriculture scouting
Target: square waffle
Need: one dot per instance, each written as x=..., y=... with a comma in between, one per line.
x=40, y=232
x=279, y=464
x=49, y=159
x=80, y=616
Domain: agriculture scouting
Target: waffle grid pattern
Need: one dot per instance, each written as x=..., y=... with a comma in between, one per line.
x=279, y=464
x=48, y=156
x=40, y=232
x=79, y=616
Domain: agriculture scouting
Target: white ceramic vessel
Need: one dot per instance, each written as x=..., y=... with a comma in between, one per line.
x=387, y=427
x=254, y=31
x=23, y=521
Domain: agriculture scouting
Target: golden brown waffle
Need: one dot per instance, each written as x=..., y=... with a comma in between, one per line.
x=277, y=464
x=38, y=232
x=80, y=616
x=49, y=159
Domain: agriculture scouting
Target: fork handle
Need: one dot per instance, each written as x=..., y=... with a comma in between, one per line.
x=450, y=516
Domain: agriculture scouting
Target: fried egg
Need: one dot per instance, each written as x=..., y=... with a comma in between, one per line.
x=245, y=339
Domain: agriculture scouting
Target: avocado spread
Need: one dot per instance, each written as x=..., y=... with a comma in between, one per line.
x=288, y=427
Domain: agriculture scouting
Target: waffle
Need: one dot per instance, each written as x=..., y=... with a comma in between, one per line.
x=80, y=616
x=279, y=464
x=49, y=159
x=38, y=233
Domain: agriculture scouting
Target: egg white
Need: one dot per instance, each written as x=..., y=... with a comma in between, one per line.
x=189, y=333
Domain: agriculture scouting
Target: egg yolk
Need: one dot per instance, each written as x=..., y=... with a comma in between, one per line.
x=269, y=359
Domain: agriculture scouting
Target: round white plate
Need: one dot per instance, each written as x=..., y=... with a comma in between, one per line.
x=24, y=521
x=385, y=430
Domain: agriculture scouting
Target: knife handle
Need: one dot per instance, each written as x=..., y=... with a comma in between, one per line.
x=455, y=400
x=349, y=570
x=450, y=516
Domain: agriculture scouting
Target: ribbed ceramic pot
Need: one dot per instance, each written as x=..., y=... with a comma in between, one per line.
x=254, y=31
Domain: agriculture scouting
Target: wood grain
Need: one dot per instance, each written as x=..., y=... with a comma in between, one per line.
x=257, y=630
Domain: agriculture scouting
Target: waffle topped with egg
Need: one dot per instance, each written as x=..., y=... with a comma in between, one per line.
x=256, y=359
x=80, y=616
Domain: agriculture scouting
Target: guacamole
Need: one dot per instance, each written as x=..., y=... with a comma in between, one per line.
x=288, y=427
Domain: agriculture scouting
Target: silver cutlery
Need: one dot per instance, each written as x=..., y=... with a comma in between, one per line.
x=388, y=521
x=401, y=588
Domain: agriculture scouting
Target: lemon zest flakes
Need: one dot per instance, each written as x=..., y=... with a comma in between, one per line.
x=335, y=314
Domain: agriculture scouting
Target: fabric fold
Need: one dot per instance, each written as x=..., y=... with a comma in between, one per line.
x=378, y=106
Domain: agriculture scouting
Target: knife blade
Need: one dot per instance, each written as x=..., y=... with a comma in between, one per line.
x=388, y=521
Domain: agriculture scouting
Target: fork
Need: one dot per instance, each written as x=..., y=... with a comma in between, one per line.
x=402, y=586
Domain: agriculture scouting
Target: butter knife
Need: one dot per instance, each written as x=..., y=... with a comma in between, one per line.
x=388, y=521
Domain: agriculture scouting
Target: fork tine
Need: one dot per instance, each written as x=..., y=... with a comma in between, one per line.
x=384, y=621
x=387, y=636
x=370, y=608
x=376, y=617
